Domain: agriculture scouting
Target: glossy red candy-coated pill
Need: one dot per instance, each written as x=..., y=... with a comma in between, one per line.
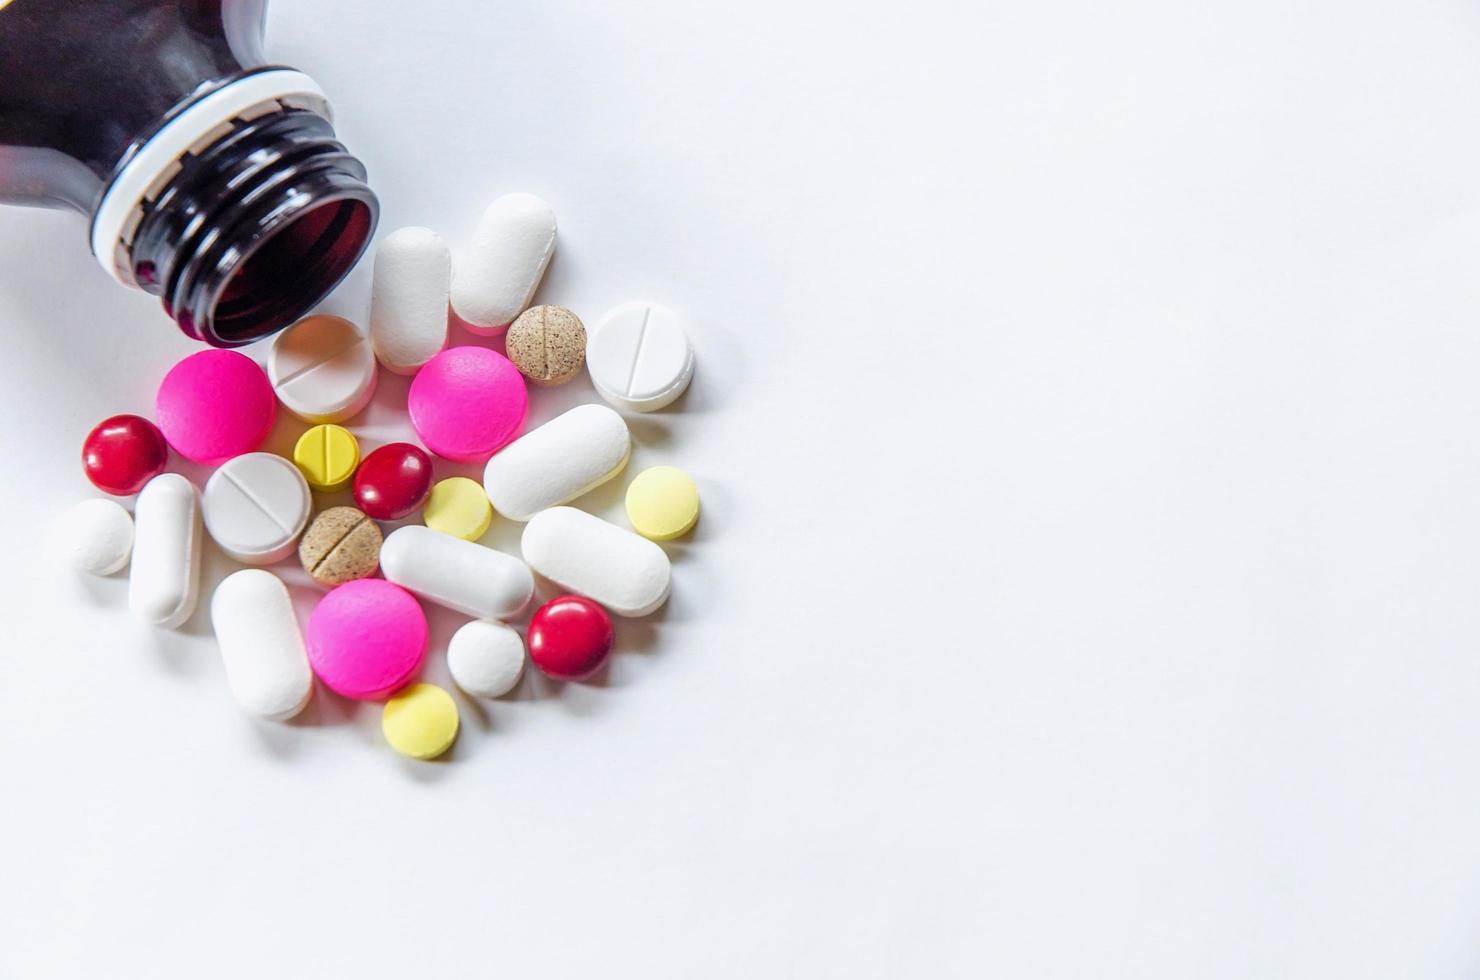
x=570, y=637
x=123, y=453
x=393, y=481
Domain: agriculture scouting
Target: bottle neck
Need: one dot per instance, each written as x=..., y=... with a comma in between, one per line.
x=255, y=229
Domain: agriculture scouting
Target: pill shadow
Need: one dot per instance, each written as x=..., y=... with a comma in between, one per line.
x=651, y=433
x=383, y=421
x=275, y=739
x=471, y=708
x=608, y=498
x=638, y=636
x=324, y=708
x=104, y=591
x=287, y=428
x=179, y=654
x=460, y=333
x=214, y=567
x=431, y=771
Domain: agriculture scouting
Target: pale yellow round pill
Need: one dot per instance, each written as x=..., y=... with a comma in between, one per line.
x=420, y=721
x=459, y=507
x=327, y=455
x=662, y=503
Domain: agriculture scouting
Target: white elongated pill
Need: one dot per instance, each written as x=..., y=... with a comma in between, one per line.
x=559, y=461
x=256, y=505
x=640, y=357
x=485, y=658
x=498, y=272
x=322, y=369
x=165, y=578
x=458, y=574
x=408, y=298
x=96, y=536
x=627, y=574
x=261, y=644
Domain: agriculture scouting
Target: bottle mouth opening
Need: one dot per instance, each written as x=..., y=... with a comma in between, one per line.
x=286, y=271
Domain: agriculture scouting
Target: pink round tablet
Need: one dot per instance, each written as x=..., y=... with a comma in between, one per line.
x=215, y=405
x=467, y=403
x=366, y=639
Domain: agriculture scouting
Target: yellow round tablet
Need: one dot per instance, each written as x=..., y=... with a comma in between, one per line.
x=420, y=721
x=459, y=507
x=662, y=503
x=328, y=456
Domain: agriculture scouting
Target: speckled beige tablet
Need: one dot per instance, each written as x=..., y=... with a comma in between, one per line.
x=340, y=545
x=547, y=344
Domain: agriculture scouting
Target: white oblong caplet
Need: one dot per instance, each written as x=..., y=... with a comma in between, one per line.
x=627, y=574
x=497, y=274
x=408, y=298
x=462, y=575
x=261, y=645
x=165, y=578
x=567, y=456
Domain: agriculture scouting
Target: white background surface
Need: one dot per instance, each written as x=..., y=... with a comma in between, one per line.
x=1087, y=421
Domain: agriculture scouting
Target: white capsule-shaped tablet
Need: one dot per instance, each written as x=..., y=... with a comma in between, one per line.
x=322, y=369
x=165, y=577
x=639, y=357
x=256, y=505
x=557, y=462
x=485, y=658
x=408, y=298
x=96, y=536
x=462, y=575
x=261, y=645
x=497, y=274
x=627, y=574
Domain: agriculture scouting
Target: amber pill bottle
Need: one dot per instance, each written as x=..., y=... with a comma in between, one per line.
x=209, y=177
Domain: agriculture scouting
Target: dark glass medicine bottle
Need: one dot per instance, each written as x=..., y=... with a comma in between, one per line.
x=210, y=178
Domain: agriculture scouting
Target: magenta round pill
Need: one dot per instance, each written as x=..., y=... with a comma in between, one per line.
x=366, y=639
x=215, y=405
x=467, y=403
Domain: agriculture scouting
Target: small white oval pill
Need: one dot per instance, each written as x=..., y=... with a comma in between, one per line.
x=256, y=505
x=497, y=274
x=557, y=462
x=165, y=578
x=322, y=369
x=485, y=658
x=462, y=575
x=261, y=644
x=96, y=536
x=640, y=357
x=627, y=574
x=408, y=298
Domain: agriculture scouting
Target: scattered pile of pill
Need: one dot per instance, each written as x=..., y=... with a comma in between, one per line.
x=367, y=637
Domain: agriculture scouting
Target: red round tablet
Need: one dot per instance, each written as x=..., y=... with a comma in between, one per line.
x=393, y=481
x=123, y=453
x=570, y=637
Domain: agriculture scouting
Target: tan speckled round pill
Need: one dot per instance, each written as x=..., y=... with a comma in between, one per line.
x=547, y=344
x=340, y=545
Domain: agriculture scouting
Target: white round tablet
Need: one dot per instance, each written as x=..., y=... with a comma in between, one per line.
x=96, y=536
x=322, y=369
x=255, y=507
x=486, y=658
x=640, y=357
